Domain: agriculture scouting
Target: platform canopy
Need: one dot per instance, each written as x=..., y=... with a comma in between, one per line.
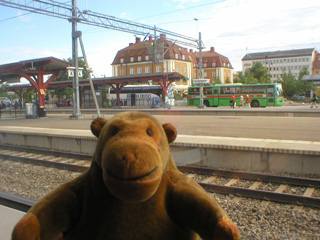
x=34, y=71
x=10, y=72
x=117, y=83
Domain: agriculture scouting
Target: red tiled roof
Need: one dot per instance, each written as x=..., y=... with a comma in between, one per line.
x=141, y=49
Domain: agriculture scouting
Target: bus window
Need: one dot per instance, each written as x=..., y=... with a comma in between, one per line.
x=238, y=89
x=232, y=90
x=207, y=90
x=270, y=92
x=260, y=89
x=194, y=91
x=247, y=89
x=215, y=91
x=225, y=90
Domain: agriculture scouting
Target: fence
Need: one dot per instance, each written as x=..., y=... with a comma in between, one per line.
x=12, y=112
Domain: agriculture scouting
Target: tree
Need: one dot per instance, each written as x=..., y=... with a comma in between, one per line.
x=289, y=84
x=62, y=91
x=256, y=74
x=303, y=86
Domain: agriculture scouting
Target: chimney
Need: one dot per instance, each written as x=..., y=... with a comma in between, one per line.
x=130, y=44
x=163, y=36
x=191, y=50
x=138, y=39
x=150, y=38
x=212, y=49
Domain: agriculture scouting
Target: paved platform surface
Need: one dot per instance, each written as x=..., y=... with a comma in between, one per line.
x=9, y=218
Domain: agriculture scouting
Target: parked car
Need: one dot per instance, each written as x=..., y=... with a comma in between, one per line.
x=65, y=103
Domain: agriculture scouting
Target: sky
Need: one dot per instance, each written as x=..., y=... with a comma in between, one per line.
x=233, y=27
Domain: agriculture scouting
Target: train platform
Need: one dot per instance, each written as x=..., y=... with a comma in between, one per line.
x=8, y=222
x=58, y=132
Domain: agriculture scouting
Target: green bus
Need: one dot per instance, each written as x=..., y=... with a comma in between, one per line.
x=261, y=95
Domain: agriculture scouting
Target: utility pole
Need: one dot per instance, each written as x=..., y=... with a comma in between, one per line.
x=76, y=99
x=200, y=71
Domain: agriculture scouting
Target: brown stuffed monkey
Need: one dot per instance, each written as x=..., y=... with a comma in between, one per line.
x=132, y=191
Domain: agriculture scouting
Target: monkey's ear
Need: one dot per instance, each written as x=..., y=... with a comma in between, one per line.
x=170, y=131
x=96, y=126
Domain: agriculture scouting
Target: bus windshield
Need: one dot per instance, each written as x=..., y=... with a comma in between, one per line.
x=278, y=90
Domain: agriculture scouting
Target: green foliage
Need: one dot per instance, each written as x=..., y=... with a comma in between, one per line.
x=217, y=81
x=3, y=90
x=60, y=92
x=256, y=74
x=291, y=86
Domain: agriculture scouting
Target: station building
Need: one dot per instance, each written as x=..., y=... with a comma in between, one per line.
x=282, y=61
x=162, y=56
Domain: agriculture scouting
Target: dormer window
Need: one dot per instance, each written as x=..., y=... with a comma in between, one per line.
x=146, y=57
x=205, y=65
x=139, y=58
x=176, y=56
x=183, y=57
x=122, y=60
x=131, y=59
x=213, y=64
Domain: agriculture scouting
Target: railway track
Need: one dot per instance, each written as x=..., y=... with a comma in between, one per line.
x=266, y=187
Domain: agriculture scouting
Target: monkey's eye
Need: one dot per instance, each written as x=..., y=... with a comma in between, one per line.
x=149, y=132
x=114, y=131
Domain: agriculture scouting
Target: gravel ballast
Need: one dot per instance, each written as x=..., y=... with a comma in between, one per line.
x=255, y=221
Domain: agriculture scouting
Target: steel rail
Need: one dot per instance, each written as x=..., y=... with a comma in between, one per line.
x=17, y=202
x=263, y=195
x=237, y=191
x=305, y=182
x=45, y=163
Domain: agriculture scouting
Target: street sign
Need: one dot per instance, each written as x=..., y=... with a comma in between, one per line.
x=10, y=93
x=200, y=81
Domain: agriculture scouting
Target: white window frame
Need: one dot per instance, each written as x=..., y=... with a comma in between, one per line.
x=213, y=64
x=121, y=60
x=158, y=68
x=139, y=58
x=147, y=69
x=131, y=59
x=177, y=68
x=131, y=71
x=183, y=57
x=176, y=56
x=146, y=57
x=184, y=69
x=139, y=70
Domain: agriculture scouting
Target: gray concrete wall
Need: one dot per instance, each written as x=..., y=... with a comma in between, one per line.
x=226, y=153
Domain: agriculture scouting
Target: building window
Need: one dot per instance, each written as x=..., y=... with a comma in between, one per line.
x=176, y=56
x=213, y=64
x=147, y=69
x=131, y=71
x=183, y=57
x=146, y=57
x=177, y=68
x=139, y=58
x=121, y=60
x=139, y=70
x=184, y=69
x=213, y=74
x=205, y=65
x=205, y=74
x=158, y=69
x=158, y=56
x=131, y=59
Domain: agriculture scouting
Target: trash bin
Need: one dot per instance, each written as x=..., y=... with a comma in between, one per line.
x=42, y=112
x=31, y=110
x=155, y=102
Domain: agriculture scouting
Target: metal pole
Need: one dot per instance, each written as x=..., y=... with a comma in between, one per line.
x=200, y=70
x=76, y=101
x=90, y=80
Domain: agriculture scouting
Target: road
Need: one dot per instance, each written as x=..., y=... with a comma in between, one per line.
x=286, y=128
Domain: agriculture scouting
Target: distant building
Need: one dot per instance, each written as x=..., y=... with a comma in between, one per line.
x=142, y=57
x=279, y=62
x=316, y=64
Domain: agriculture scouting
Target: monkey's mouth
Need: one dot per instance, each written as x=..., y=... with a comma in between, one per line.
x=133, y=178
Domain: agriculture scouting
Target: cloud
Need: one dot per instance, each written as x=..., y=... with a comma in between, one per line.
x=24, y=16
